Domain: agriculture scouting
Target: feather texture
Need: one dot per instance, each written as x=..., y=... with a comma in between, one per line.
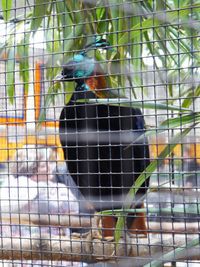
x=95, y=137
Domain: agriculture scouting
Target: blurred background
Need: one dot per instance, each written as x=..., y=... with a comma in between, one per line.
x=153, y=62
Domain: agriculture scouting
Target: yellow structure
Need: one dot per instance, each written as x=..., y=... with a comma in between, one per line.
x=9, y=145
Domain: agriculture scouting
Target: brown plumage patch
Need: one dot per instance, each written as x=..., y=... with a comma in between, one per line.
x=137, y=227
x=98, y=84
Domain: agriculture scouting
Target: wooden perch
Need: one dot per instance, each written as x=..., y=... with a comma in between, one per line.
x=89, y=247
x=92, y=249
x=77, y=221
x=66, y=220
x=175, y=227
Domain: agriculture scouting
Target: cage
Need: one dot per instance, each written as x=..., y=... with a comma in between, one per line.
x=99, y=133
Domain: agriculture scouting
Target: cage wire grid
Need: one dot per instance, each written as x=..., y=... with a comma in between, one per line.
x=99, y=133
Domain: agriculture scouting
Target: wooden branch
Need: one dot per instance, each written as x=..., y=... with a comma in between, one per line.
x=90, y=247
x=175, y=227
x=91, y=250
x=76, y=221
x=66, y=220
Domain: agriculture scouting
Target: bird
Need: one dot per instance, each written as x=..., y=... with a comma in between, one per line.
x=95, y=139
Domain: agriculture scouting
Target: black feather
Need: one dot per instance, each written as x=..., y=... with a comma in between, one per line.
x=94, y=142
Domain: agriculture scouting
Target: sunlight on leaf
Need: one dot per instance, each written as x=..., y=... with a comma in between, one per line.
x=39, y=11
x=6, y=6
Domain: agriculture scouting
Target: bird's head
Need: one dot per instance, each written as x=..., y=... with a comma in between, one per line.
x=81, y=66
x=86, y=71
x=78, y=68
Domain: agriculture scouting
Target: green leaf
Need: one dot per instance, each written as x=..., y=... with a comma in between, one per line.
x=49, y=99
x=64, y=18
x=189, y=98
x=181, y=120
x=138, y=104
x=153, y=165
x=114, y=15
x=136, y=52
x=101, y=17
x=54, y=47
x=6, y=6
x=69, y=91
x=23, y=53
x=177, y=122
x=173, y=255
x=119, y=226
x=10, y=74
x=135, y=31
x=39, y=12
x=147, y=173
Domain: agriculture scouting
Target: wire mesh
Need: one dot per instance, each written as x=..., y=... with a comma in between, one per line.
x=99, y=133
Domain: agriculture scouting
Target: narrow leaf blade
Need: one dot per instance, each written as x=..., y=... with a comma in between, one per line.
x=6, y=6
x=39, y=11
x=10, y=74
